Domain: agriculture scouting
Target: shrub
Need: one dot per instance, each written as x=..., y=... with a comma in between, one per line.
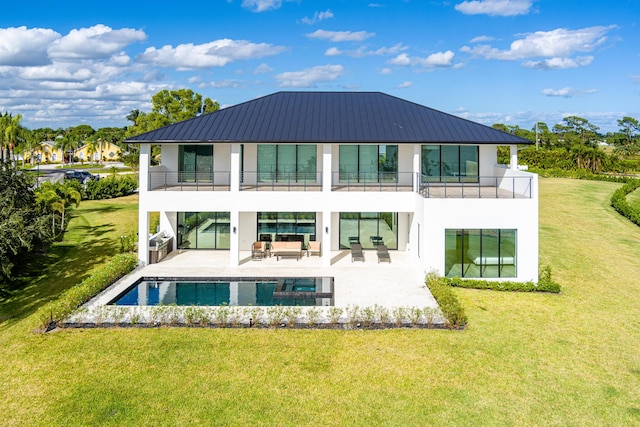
x=110, y=187
x=56, y=311
x=451, y=309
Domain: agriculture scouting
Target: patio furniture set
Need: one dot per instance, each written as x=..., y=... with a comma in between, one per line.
x=263, y=249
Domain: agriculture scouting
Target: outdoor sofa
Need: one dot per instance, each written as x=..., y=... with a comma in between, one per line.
x=286, y=249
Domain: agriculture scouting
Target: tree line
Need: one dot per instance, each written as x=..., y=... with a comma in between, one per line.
x=167, y=107
x=577, y=131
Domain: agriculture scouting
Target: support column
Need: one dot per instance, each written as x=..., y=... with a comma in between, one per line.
x=143, y=211
x=234, y=244
x=417, y=153
x=235, y=168
x=326, y=167
x=513, y=165
x=326, y=238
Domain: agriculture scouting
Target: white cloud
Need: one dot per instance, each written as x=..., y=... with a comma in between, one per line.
x=547, y=44
x=405, y=85
x=261, y=5
x=435, y=60
x=386, y=71
x=94, y=42
x=554, y=47
x=568, y=92
x=480, y=39
x=22, y=46
x=217, y=53
x=317, y=17
x=495, y=7
x=262, y=68
x=559, y=63
x=332, y=51
x=341, y=36
x=363, y=51
x=310, y=77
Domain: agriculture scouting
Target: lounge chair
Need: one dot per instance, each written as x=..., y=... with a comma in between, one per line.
x=258, y=250
x=356, y=252
x=313, y=248
x=383, y=254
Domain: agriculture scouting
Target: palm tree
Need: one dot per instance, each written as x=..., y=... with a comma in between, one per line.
x=28, y=144
x=94, y=144
x=47, y=197
x=11, y=132
x=66, y=144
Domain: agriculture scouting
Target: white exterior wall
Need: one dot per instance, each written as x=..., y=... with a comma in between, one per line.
x=421, y=221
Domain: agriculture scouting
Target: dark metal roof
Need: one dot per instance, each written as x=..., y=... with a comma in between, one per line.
x=340, y=117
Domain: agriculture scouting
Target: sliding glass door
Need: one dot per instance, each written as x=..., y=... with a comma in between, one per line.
x=370, y=229
x=203, y=230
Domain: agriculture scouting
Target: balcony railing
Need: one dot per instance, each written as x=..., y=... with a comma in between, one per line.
x=480, y=187
x=190, y=181
x=477, y=187
x=372, y=181
x=281, y=181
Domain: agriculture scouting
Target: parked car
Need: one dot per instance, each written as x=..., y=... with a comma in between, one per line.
x=81, y=176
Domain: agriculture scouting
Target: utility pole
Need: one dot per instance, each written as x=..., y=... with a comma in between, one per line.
x=537, y=135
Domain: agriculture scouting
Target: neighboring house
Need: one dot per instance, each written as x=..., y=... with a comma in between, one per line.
x=344, y=167
x=50, y=154
x=110, y=152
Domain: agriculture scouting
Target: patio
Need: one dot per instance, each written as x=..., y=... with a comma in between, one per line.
x=364, y=284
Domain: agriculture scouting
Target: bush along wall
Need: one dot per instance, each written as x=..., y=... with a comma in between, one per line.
x=56, y=311
x=545, y=283
x=449, y=305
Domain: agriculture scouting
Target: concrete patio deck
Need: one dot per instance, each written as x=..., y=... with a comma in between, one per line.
x=365, y=284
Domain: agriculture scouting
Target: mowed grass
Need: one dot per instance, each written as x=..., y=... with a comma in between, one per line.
x=568, y=359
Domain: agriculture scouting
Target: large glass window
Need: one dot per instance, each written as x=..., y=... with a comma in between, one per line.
x=287, y=226
x=203, y=230
x=479, y=253
x=370, y=229
x=195, y=163
x=368, y=163
x=287, y=163
x=450, y=163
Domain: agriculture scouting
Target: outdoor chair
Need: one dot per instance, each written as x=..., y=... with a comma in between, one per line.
x=258, y=250
x=383, y=254
x=313, y=248
x=356, y=252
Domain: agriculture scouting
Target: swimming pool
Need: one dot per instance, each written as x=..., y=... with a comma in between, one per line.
x=236, y=291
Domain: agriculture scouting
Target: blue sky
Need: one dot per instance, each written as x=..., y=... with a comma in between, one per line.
x=65, y=63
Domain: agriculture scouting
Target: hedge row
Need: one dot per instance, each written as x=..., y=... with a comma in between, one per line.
x=541, y=286
x=620, y=204
x=449, y=305
x=58, y=310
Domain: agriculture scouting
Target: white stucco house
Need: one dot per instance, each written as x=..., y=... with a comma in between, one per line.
x=339, y=168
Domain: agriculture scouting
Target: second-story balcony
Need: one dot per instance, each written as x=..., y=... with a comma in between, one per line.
x=476, y=187
x=164, y=180
x=280, y=181
x=481, y=187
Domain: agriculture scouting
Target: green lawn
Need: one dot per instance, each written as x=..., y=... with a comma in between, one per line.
x=525, y=359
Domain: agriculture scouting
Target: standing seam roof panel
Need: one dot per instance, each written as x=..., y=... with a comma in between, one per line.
x=312, y=117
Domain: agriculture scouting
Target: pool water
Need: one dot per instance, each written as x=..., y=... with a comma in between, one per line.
x=287, y=291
